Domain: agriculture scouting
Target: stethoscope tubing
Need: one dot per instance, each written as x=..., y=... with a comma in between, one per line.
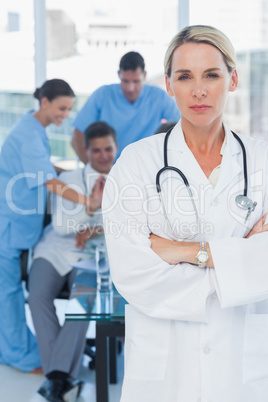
x=241, y=200
x=184, y=178
x=245, y=169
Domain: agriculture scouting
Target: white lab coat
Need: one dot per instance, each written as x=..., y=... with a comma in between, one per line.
x=191, y=334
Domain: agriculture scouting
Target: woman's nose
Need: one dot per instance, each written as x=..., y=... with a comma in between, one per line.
x=199, y=91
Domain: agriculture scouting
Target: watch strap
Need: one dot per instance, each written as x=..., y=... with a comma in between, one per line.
x=203, y=250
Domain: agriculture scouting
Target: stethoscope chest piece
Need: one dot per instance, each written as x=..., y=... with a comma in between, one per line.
x=245, y=203
x=242, y=201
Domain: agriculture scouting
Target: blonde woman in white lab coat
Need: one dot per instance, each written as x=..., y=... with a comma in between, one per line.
x=197, y=318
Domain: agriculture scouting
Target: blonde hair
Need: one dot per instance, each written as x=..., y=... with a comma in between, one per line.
x=201, y=34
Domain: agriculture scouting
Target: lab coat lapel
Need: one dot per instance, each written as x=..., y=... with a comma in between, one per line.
x=180, y=156
x=231, y=165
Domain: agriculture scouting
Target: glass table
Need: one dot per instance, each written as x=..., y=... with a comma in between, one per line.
x=108, y=310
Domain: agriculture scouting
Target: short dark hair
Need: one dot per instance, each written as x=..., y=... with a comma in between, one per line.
x=131, y=61
x=98, y=130
x=163, y=128
x=51, y=89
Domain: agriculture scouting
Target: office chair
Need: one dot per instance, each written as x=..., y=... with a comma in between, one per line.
x=25, y=260
x=64, y=294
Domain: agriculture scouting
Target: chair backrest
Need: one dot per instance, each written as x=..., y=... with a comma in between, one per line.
x=25, y=260
x=26, y=254
x=24, y=265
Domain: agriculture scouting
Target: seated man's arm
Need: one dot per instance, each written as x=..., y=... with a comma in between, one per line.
x=89, y=234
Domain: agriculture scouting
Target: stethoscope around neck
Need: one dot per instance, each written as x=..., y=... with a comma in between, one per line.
x=242, y=201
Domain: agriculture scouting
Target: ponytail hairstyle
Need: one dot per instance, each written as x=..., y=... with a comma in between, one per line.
x=52, y=89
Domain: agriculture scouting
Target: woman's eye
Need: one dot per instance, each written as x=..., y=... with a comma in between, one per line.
x=184, y=77
x=211, y=75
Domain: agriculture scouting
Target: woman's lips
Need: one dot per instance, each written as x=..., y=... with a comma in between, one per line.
x=200, y=108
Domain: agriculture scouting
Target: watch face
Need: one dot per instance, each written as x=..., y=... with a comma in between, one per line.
x=203, y=257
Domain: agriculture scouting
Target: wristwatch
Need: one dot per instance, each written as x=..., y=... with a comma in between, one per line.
x=202, y=255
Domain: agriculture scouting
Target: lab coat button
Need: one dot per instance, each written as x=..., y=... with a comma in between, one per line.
x=207, y=350
x=215, y=203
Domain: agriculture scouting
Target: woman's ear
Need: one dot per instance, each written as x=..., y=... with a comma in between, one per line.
x=44, y=102
x=169, y=90
x=234, y=81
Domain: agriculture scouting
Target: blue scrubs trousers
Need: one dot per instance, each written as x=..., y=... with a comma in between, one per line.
x=18, y=346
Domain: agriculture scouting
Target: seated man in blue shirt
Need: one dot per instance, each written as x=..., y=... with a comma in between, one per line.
x=134, y=109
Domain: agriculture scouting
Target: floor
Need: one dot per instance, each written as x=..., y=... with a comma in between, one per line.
x=21, y=387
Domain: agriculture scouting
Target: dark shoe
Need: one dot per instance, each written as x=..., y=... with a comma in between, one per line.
x=59, y=390
x=51, y=390
x=80, y=384
x=71, y=391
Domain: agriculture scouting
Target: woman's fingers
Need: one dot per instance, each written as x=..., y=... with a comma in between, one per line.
x=259, y=227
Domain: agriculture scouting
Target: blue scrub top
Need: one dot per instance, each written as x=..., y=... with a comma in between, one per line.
x=131, y=121
x=24, y=168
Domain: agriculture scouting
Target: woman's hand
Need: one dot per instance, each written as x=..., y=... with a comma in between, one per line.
x=96, y=196
x=259, y=227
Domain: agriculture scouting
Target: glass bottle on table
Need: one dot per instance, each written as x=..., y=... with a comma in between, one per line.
x=104, y=281
x=104, y=297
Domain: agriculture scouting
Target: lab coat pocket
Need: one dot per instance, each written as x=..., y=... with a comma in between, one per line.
x=146, y=347
x=255, y=360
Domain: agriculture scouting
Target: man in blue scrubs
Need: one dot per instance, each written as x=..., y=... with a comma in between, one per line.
x=134, y=109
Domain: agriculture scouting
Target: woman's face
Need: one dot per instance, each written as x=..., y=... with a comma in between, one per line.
x=57, y=110
x=200, y=83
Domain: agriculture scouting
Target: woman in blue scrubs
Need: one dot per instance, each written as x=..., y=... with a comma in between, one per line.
x=26, y=174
